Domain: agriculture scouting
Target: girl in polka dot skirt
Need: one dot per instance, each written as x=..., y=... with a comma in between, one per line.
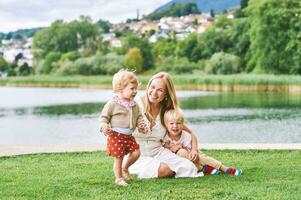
x=118, y=120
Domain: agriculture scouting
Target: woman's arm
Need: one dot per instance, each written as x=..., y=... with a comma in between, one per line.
x=194, y=144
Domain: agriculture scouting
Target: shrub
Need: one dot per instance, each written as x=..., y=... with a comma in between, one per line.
x=66, y=67
x=49, y=61
x=223, y=63
x=177, y=65
x=133, y=59
x=72, y=56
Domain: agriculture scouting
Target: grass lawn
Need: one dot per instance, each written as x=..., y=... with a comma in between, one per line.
x=267, y=175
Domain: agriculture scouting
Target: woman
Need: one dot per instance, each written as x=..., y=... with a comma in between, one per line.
x=155, y=160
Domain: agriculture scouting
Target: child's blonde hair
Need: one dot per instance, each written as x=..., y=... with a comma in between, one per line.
x=122, y=78
x=175, y=114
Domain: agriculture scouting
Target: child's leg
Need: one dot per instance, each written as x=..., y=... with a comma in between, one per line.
x=211, y=162
x=132, y=157
x=185, y=154
x=207, y=160
x=117, y=167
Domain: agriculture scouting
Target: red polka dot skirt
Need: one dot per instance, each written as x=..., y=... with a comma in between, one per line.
x=119, y=145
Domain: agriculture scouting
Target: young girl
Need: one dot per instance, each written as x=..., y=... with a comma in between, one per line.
x=179, y=142
x=119, y=118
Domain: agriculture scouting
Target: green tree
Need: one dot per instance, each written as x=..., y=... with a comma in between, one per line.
x=164, y=48
x=64, y=37
x=240, y=39
x=3, y=64
x=24, y=70
x=190, y=48
x=104, y=26
x=133, y=59
x=145, y=48
x=275, y=36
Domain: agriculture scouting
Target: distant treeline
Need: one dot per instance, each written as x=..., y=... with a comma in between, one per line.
x=263, y=38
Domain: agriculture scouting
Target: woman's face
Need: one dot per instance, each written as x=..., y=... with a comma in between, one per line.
x=156, y=91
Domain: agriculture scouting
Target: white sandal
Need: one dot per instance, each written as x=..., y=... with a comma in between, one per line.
x=126, y=176
x=121, y=182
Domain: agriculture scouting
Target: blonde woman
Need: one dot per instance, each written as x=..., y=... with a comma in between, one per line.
x=155, y=160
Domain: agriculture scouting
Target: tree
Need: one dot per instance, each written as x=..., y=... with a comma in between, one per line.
x=65, y=37
x=275, y=36
x=24, y=70
x=190, y=48
x=133, y=59
x=3, y=64
x=240, y=39
x=164, y=48
x=145, y=48
x=104, y=26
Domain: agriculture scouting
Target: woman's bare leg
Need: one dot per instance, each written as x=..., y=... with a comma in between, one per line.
x=165, y=171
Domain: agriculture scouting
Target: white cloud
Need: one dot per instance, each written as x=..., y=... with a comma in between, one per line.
x=16, y=14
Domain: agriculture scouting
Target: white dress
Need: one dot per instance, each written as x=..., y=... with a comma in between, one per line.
x=153, y=154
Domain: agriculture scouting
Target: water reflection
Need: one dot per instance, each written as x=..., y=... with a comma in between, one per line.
x=73, y=109
x=243, y=100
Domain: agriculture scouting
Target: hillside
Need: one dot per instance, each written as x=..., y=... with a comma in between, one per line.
x=204, y=5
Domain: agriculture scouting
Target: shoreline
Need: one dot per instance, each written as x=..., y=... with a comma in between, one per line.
x=292, y=89
x=15, y=150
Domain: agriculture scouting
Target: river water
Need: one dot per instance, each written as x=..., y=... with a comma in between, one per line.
x=70, y=116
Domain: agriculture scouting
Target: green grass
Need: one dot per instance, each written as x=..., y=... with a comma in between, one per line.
x=267, y=175
x=183, y=81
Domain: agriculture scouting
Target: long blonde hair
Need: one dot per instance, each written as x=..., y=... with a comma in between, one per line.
x=168, y=103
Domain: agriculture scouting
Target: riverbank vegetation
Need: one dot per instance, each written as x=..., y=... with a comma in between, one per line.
x=267, y=175
x=239, y=82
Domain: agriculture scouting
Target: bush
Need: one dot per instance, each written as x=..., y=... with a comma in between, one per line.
x=72, y=56
x=177, y=65
x=133, y=59
x=94, y=65
x=50, y=59
x=223, y=63
x=66, y=68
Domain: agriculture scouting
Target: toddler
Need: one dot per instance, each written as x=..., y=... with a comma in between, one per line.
x=118, y=120
x=179, y=142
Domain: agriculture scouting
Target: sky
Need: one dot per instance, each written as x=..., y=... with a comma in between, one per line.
x=19, y=14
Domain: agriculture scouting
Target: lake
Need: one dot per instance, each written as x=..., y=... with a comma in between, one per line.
x=70, y=116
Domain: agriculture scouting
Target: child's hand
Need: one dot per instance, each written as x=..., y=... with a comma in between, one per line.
x=175, y=148
x=193, y=155
x=167, y=145
x=142, y=127
x=107, y=131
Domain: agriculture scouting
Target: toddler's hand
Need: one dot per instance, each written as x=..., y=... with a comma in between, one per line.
x=142, y=127
x=193, y=155
x=107, y=131
x=175, y=148
x=167, y=145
